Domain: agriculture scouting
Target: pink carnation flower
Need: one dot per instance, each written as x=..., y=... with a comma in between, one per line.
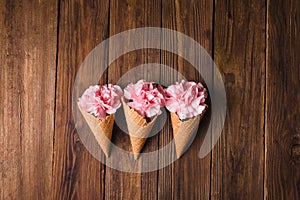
x=101, y=100
x=186, y=99
x=146, y=98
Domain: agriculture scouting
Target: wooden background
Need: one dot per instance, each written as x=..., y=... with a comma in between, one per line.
x=256, y=45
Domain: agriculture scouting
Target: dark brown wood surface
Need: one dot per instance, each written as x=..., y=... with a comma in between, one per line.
x=282, y=111
x=28, y=38
x=255, y=45
x=82, y=25
x=188, y=177
x=238, y=158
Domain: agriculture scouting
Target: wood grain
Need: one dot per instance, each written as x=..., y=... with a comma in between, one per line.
x=82, y=25
x=254, y=44
x=188, y=177
x=282, y=167
x=126, y=15
x=238, y=157
x=27, y=68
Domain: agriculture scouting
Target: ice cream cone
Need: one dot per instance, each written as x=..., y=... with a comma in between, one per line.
x=138, y=126
x=100, y=128
x=184, y=132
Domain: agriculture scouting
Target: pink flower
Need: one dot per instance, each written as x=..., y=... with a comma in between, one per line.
x=101, y=100
x=146, y=98
x=186, y=99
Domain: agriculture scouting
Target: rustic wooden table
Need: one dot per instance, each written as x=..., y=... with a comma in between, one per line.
x=255, y=45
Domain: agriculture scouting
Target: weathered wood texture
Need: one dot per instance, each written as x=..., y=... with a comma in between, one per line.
x=188, y=177
x=126, y=15
x=254, y=43
x=28, y=31
x=238, y=158
x=76, y=174
x=282, y=116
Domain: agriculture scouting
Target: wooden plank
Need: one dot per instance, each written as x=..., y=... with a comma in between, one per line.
x=27, y=73
x=238, y=157
x=188, y=177
x=282, y=167
x=82, y=25
x=126, y=15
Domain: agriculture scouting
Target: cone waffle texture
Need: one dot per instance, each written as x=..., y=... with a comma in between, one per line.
x=184, y=132
x=100, y=128
x=138, y=126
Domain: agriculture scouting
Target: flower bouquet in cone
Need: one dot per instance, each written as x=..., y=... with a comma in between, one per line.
x=98, y=105
x=141, y=103
x=186, y=103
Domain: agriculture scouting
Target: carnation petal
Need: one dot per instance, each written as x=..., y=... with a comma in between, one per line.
x=189, y=98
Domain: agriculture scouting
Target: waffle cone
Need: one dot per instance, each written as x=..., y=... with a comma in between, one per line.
x=184, y=132
x=100, y=128
x=137, y=124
